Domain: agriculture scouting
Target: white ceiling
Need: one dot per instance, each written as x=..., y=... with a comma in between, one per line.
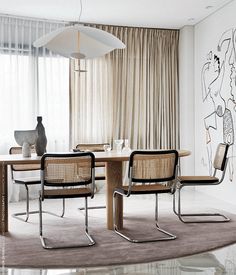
x=146, y=13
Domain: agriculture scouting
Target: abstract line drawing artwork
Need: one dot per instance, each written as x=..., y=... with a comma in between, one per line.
x=218, y=79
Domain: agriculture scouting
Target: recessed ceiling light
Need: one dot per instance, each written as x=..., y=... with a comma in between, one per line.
x=209, y=7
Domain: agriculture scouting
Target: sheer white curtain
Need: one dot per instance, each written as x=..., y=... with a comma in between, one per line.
x=91, y=102
x=32, y=82
x=53, y=100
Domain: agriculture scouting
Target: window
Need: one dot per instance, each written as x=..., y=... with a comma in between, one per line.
x=31, y=86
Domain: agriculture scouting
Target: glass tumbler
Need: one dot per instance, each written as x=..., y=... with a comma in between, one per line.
x=119, y=143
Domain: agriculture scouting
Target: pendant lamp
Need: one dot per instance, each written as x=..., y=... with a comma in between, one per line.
x=79, y=42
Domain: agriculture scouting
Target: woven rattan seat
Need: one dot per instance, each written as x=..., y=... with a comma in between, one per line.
x=28, y=180
x=220, y=164
x=148, y=173
x=146, y=189
x=197, y=179
x=67, y=193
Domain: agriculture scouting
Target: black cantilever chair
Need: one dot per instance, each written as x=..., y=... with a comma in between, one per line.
x=150, y=169
x=16, y=169
x=67, y=176
x=220, y=164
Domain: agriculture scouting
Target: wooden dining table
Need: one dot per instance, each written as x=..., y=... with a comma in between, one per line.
x=114, y=164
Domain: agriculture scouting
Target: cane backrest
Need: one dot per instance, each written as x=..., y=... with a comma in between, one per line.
x=67, y=169
x=153, y=166
x=23, y=167
x=221, y=156
x=92, y=147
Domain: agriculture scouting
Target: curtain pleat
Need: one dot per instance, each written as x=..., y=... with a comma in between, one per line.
x=130, y=93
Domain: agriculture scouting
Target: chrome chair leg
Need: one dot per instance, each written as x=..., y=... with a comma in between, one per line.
x=182, y=215
x=27, y=213
x=63, y=208
x=92, y=242
x=93, y=207
x=16, y=215
x=170, y=236
x=156, y=208
x=40, y=218
x=27, y=203
x=129, y=238
x=43, y=239
x=174, y=204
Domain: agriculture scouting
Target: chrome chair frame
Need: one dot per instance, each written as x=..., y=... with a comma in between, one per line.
x=169, y=236
x=179, y=186
x=94, y=148
x=41, y=198
x=26, y=182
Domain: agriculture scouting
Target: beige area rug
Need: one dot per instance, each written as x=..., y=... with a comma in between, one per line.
x=21, y=247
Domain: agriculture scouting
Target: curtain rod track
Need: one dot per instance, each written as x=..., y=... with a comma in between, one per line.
x=75, y=22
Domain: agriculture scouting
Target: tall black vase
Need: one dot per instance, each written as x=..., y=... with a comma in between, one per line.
x=41, y=141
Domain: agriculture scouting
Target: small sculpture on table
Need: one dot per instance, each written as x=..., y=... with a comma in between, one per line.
x=26, y=138
x=41, y=141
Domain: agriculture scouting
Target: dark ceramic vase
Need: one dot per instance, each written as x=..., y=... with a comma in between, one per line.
x=41, y=142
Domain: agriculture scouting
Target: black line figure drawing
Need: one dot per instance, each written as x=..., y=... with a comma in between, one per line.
x=218, y=82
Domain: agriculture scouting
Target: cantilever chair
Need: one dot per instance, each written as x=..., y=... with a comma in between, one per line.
x=94, y=147
x=67, y=176
x=150, y=169
x=16, y=169
x=220, y=164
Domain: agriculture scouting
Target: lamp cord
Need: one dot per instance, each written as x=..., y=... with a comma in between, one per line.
x=81, y=8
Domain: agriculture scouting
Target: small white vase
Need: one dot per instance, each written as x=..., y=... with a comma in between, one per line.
x=26, y=150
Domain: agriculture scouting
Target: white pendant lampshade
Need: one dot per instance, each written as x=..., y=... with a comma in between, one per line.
x=80, y=42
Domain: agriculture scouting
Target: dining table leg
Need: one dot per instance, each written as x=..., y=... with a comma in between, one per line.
x=4, y=199
x=114, y=179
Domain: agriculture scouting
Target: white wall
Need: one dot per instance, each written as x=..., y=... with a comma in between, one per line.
x=217, y=75
x=186, y=95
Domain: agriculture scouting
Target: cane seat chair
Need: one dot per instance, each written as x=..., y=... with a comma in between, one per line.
x=67, y=176
x=17, y=178
x=219, y=164
x=148, y=173
x=94, y=147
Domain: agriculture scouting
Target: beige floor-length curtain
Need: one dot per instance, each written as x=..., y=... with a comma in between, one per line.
x=130, y=93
